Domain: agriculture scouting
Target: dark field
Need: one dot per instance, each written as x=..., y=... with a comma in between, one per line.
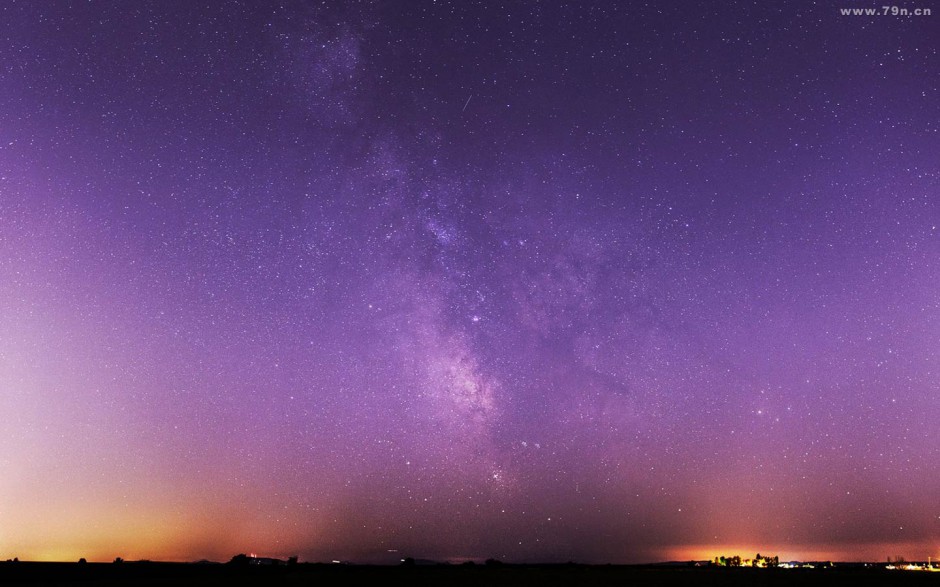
x=177, y=574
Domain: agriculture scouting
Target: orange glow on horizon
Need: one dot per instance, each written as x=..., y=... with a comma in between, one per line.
x=164, y=534
x=866, y=552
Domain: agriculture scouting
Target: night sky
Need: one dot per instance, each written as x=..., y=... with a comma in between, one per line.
x=538, y=281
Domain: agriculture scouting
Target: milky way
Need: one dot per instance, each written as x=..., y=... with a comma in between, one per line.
x=609, y=282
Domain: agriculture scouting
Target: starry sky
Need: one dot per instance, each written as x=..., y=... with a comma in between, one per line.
x=539, y=281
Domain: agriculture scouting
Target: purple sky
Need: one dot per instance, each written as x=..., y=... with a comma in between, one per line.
x=605, y=282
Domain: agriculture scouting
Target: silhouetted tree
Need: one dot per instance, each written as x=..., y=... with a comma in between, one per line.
x=118, y=560
x=292, y=560
x=492, y=562
x=82, y=561
x=239, y=560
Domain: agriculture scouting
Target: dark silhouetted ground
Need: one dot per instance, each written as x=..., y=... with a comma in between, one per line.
x=316, y=575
